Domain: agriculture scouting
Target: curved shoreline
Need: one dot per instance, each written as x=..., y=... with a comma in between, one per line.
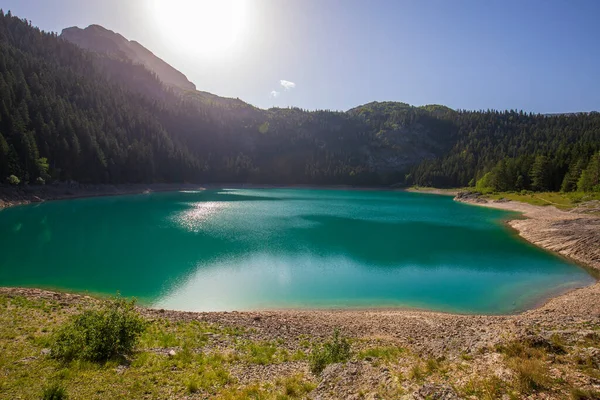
x=422, y=330
x=536, y=226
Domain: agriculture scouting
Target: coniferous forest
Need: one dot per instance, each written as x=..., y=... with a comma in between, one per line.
x=70, y=114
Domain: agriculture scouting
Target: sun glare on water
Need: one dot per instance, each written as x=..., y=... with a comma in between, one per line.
x=202, y=27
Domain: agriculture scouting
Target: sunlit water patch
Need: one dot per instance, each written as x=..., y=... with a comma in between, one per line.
x=282, y=248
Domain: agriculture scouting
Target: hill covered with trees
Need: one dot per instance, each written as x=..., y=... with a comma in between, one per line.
x=67, y=113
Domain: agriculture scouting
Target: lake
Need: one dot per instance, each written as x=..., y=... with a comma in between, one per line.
x=246, y=249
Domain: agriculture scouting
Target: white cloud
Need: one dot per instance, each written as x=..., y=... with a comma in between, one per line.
x=275, y=93
x=287, y=84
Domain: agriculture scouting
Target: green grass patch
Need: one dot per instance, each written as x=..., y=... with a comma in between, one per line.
x=563, y=201
x=333, y=351
x=263, y=353
x=489, y=388
x=54, y=391
x=385, y=353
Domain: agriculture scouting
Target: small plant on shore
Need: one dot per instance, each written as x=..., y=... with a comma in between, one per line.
x=54, y=392
x=387, y=353
x=488, y=388
x=13, y=180
x=334, y=351
x=192, y=386
x=417, y=373
x=531, y=375
x=101, y=334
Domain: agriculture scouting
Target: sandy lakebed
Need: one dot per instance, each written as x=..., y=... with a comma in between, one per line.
x=574, y=315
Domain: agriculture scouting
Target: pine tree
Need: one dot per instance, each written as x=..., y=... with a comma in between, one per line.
x=590, y=177
x=540, y=174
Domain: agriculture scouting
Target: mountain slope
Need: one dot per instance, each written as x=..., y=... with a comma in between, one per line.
x=98, y=116
x=101, y=40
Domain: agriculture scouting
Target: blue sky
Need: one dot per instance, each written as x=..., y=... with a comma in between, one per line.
x=540, y=56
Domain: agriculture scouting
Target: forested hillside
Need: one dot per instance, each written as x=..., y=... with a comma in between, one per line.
x=512, y=150
x=70, y=114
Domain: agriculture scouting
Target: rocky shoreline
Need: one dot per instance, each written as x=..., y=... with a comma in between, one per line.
x=574, y=234
x=14, y=196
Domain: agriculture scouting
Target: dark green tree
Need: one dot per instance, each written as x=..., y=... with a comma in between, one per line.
x=540, y=174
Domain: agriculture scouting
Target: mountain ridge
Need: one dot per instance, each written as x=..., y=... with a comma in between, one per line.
x=99, y=39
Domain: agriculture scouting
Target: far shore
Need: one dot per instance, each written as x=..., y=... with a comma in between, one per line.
x=28, y=194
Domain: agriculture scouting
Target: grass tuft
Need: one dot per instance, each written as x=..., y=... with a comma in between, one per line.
x=490, y=388
x=335, y=351
x=531, y=375
x=387, y=353
x=54, y=392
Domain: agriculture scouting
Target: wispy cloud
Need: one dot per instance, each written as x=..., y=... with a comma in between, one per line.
x=275, y=93
x=287, y=84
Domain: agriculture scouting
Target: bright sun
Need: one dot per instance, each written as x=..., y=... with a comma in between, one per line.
x=204, y=27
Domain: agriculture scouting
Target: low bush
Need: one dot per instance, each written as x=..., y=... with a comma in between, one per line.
x=335, y=351
x=101, y=334
x=13, y=180
x=54, y=392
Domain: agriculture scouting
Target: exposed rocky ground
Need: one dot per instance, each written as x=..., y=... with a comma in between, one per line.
x=395, y=353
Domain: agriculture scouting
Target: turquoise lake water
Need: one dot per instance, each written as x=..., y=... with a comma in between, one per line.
x=244, y=249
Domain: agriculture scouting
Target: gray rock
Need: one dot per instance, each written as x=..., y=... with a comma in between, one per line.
x=432, y=391
x=470, y=197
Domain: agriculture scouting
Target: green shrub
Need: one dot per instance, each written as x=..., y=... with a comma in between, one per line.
x=13, y=180
x=100, y=334
x=335, y=351
x=54, y=392
x=261, y=353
